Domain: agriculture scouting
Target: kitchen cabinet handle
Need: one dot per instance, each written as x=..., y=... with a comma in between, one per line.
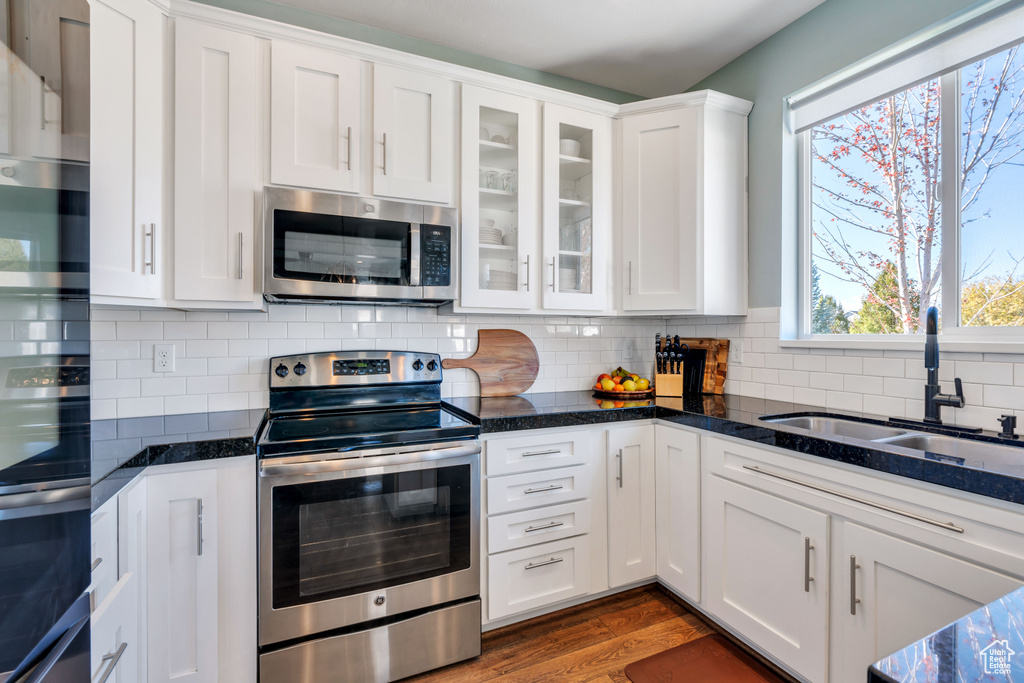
x=853, y=584
x=547, y=452
x=239, y=256
x=527, y=272
x=113, y=658
x=845, y=496
x=384, y=156
x=199, y=527
x=629, y=278
x=152, y=248
x=42, y=103
x=553, y=560
x=348, y=142
x=553, y=274
x=808, y=547
x=542, y=527
x=618, y=459
x=97, y=562
x=553, y=487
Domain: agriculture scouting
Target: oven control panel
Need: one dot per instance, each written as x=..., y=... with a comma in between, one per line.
x=353, y=368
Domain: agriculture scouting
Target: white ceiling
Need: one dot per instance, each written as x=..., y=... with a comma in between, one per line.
x=645, y=47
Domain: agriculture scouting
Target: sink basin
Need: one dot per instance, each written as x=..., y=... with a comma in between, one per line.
x=839, y=427
x=961, y=451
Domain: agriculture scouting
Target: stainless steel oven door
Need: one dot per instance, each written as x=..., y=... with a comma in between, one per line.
x=347, y=538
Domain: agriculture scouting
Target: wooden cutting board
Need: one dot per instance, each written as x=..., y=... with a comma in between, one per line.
x=506, y=361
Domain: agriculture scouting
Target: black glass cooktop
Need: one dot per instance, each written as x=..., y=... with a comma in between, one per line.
x=294, y=434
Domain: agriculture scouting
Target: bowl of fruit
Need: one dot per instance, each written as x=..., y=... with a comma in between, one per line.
x=622, y=385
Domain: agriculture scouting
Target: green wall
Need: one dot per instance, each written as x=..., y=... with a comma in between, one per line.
x=835, y=34
x=375, y=36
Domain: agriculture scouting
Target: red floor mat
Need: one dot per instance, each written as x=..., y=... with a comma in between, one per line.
x=707, y=660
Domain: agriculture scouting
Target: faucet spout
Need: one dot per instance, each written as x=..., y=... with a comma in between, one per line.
x=934, y=399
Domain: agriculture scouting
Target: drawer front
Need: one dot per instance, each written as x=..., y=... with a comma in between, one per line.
x=541, y=525
x=524, y=491
x=104, y=550
x=538, y=576
x=538, y=451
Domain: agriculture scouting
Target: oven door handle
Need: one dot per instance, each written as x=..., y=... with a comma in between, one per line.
x=278, y=469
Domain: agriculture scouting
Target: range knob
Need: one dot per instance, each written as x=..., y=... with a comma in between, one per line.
x=432, y=365
x=300, y=369
x=281, y=371
x=417, y=365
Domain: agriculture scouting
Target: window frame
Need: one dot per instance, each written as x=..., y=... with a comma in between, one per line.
x=956, y=336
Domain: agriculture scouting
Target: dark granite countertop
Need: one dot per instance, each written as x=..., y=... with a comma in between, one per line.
x=985, y=645
x=738, y=416
x=122, y=448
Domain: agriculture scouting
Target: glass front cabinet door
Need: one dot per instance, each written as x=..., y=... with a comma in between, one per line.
x=499, y=200
x=577, y=208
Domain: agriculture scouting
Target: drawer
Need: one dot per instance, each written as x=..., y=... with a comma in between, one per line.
x=103, y=551
x=114, y=636
x=533, y=489
x=526, y=453
x=534, y=577
x=530, y=527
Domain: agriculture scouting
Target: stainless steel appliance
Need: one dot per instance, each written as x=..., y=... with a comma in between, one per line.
x=322, y=248
x=44, y=341
x=369, y=516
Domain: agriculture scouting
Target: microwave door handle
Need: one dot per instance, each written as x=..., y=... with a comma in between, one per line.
x=414, y=255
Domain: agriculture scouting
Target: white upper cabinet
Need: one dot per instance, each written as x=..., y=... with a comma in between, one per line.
x=684, y=208
x=412, y=135
x=315, y=99
x=577, y=208
x=215, y=163
x=127, y=160
x=499, y=200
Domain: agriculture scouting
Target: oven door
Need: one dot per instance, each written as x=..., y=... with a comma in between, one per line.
x=365, y=537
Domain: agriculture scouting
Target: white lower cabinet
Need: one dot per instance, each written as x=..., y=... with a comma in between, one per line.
x=677, y=467
x=631, y=508
x=767, y=572
x=184, y=604
x=892, y=592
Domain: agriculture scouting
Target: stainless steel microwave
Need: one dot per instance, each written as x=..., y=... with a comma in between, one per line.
x=330, y=248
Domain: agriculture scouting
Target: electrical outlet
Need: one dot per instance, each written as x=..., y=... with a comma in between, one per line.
x=163, y=358
x=629, y=352
x=736, y=351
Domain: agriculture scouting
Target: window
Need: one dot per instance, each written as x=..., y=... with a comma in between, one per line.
x=913, y=200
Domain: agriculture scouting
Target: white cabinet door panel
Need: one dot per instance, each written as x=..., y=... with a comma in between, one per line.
x=766, y=572
x=677, y=466
x=412, y=128
x=215, y=163
x=632, y=554
x=314, y=117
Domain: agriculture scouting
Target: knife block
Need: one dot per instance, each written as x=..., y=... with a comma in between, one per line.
x=668, y=385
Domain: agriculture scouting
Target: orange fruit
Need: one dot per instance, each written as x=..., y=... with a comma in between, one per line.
x=598, y=387
x=618, y=387
x=619, y=404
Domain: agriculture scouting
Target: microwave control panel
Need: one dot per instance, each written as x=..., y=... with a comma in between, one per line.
x=435, y=245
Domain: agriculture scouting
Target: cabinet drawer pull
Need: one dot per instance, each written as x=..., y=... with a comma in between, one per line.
x=807, y=564
x=553, y=487
x=113, y=658
x=618, y=462
x=239, y=256
x=542, y=527
x=853, y=585
x=845, y=496
x=553, y=560
x=552, y=451
x=199, y=527
x=95, y=564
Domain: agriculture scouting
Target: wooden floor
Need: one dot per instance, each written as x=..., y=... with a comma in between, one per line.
x=591, y=642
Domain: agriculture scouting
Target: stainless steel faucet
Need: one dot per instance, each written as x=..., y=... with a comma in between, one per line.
x=933, y=398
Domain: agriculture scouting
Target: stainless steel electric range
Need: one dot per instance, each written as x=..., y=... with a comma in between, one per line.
x=369, y=520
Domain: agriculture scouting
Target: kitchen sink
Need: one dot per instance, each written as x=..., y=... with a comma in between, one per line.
x=961, y=451
x=839, y=427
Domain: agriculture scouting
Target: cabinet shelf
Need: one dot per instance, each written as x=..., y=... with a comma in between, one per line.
x=573, y=168
x=498, y=199
x=572, y=202
x=504, y=251
x=499, y=155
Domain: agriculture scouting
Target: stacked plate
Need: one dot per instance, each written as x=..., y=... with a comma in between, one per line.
x=490, y=235
x=501, y=280
x=567, y=279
